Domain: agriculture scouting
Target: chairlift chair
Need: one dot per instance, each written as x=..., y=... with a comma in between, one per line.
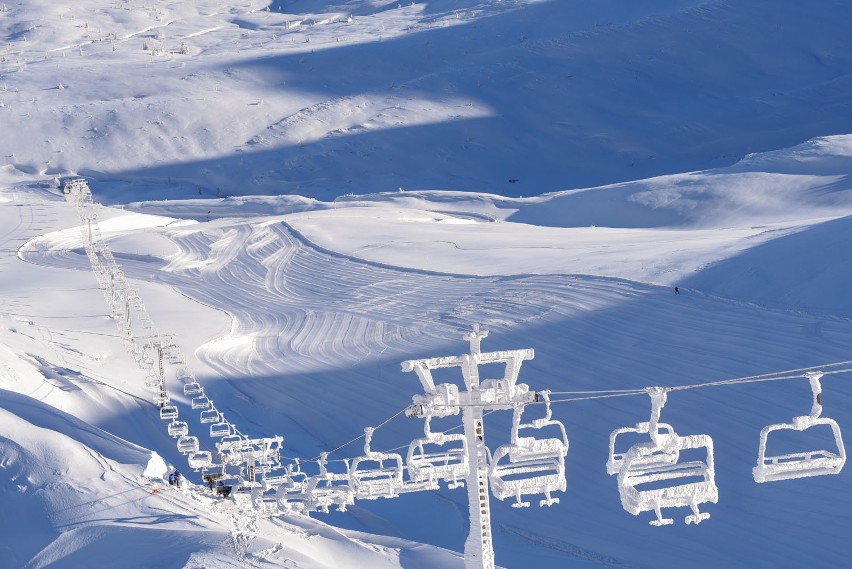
x=222, y=429
x=153, y=382
x=532, y=465
x=667, y=454
x=807, y=463
x=201, y=402
x=192, y=388
x=200, y=459
x=210, y=416
x=178, y=429
x=292, y=493
x=643, y=472
x=168, y=412
x=371, y=478
x=330, y=489
x=187, y=444
x=161, y=398
x=438, y=456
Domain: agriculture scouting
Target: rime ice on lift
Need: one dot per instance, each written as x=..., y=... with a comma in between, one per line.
x=178, y=429
x=503, y=393
x=371, y=478
x=532, y=465
x=168, y=412
x=293, y=491
x=801, y=464
x=223, y=429
x=192, y=388
x=187, y=444
x=201, y=402
x=666, y=454
x=438, y=456
x=329, y=488
x=211, y=415
x=649, y=480
x=200, y=459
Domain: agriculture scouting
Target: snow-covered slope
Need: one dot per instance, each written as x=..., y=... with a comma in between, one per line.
x=308, y=195
x=323, y=98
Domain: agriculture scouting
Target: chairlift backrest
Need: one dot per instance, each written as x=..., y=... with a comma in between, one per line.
x=807, y=463
x=438, y=456
x=376, y=474
x=530, y=465
x=210, y=416
x=178, y=429
x=201, y=402
x=168, y=412
x=200, y=459
x=192, y=388
x=650, y=476
x=222, y=429
x=187, y=444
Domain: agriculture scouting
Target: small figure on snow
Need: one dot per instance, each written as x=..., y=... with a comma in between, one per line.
x=177, y=477
x=677, y=291
x=171, y=478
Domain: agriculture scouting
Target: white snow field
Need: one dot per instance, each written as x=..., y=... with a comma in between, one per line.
x=308, y=195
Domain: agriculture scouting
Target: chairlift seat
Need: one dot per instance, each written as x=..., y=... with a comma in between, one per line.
x=637, y=471
x=379, y=481
x=187, y=444
x=200, y=459
x=168, y=412
x=161, y=398
x=665, y=453
x=449, y=464
x=200, y=402
x=210, y=416
x=220, y=429
x=192, y=388
x=799, y=464
x=178, y=429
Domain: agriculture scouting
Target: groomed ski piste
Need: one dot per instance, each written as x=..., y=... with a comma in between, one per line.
x=294, y=312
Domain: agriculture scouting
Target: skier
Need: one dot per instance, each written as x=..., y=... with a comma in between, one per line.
x=677, y=291
x=171, y=478
x=177, y=478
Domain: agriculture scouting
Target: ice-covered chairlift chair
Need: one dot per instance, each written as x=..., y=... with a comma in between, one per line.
x=438, y=456
x=647, y=483
x=801, y=464
x=200, y=459
x=201, y=402
x=153, y=382
x=666, y=454
x=187, y=444
x=210, y=416
x=530, y=465
x=330, y=489
x=371, y=477
x=161, y=398
x=192, y=388
x=292, y=493
x=223, y=429
x=168, y=412
x=178, y=429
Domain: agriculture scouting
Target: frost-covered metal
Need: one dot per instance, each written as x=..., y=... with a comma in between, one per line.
x=530, y=464
x=376, y=474
x=807, y=463
x=178, y=429
x=652, y=476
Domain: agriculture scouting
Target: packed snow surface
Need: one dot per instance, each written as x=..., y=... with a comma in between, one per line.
x=308, y=195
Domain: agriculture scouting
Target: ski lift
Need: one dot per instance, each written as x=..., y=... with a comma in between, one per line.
x=438, y=456
x=192, y=388
x=201, y=402
x=666, y=454
x=187, y=444
x=222, y=429
x=801, y=464
x=642, y=471
x=211, y=416
x=370, y=477
x=533, y=465
x=161, y=398
x=293, y=491
x=168, y=412
x=152, y=382
x=200, y=459
x=330, y=489
x=178, y=429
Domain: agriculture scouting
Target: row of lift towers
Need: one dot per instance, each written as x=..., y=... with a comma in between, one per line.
x=651, y=472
